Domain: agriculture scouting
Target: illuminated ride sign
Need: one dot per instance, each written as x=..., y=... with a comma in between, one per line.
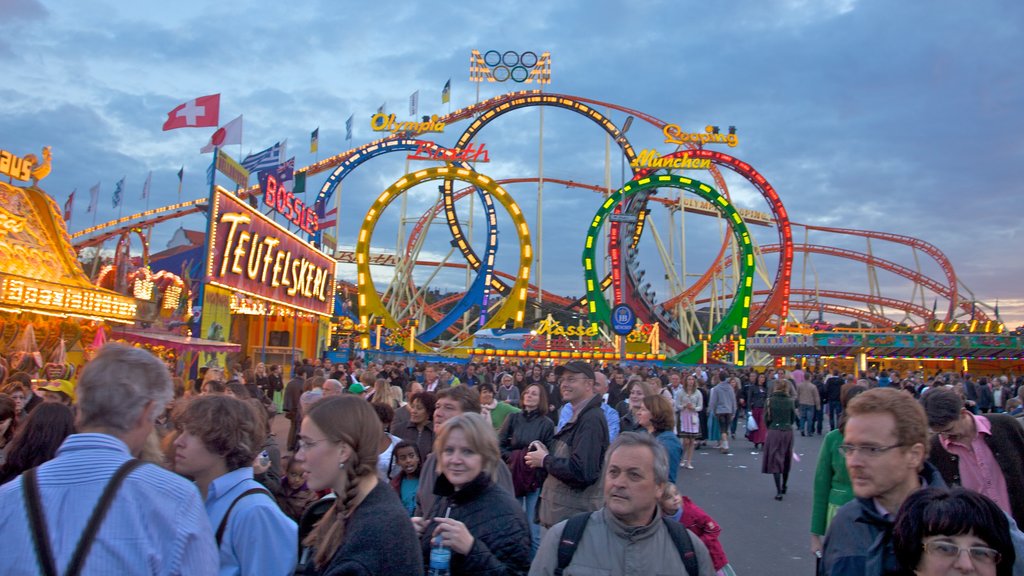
x=427, y=151
x=651, y=159
x=675, y=135
x=252, y=255
x=15, y=166
x=381, y=122
x=286, y=204
x=30, y=295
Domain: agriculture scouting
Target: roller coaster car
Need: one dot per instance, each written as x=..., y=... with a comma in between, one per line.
x=822, y=326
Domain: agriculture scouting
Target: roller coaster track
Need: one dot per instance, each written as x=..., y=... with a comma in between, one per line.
x=918, y=244
x=888, y=265
x=845, y=311
x=809, y=294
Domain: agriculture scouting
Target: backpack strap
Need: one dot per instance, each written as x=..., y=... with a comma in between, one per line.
x=224, y=521
x=40, y=533
x=681, y=538
x=571, y=534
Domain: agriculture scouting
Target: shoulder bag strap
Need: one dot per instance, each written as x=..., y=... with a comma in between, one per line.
x=37, y=523
x=681, y=538
x=40, y=534
x=571, y=535
x=224, y=521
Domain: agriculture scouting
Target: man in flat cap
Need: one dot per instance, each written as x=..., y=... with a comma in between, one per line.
x=573, y=459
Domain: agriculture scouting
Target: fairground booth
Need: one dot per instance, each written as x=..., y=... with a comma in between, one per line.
x=50, y=313
x=264, y=287
x=977, y=353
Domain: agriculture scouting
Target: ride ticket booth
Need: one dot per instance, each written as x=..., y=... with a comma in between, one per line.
x=264, y=287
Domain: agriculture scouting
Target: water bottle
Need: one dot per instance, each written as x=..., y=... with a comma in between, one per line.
x=440, y=559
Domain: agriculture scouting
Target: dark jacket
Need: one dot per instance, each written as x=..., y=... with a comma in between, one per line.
x=985, y=400
x=423, y=439
x=574, y=466
x=521, y=428
x=859, y=540
x=1007, y=445
x=833, y=389
x=501, y=536
x=379, y=539
x=780, y=412
x=756, y=396
x=587, y=437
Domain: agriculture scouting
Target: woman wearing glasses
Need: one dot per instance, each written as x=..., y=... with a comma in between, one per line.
x=366, y=530
x=940, y=531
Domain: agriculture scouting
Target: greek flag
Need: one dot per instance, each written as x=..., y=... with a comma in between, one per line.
x=268, y=158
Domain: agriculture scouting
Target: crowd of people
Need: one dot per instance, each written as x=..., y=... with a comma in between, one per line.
x=491, y=468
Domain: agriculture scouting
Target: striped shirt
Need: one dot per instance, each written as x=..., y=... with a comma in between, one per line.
x=156, y=524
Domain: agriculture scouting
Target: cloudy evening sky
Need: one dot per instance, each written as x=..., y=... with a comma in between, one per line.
x=901, y=117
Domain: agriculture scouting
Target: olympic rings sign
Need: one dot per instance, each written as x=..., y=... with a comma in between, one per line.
x=521, y=67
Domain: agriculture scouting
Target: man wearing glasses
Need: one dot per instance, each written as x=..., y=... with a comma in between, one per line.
x=981, y=453
x=886, y=447
x=577, y=450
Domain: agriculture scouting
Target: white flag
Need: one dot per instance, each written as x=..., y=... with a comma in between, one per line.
x=145, y=186
x=230, y=133
x=414, y=103
x=94, y=197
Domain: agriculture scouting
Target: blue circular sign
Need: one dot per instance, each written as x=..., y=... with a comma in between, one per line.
x=623, y=319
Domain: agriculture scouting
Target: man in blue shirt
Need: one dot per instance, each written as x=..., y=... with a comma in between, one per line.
x=600, y=389
x=219, y=441
x=155, y=523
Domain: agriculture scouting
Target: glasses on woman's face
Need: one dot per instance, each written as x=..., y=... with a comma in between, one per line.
x=949, y=551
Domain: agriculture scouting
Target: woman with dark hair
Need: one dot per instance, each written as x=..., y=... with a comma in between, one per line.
x=658, y=418
x=779, y=415
x=8, y=423
x=832, y=486
x=520, y=430
x=757, y=397
x=366, y=530
x=492, y=408
x=38, y=439
x=479, y=522
x=941, y=531
x=419, y=428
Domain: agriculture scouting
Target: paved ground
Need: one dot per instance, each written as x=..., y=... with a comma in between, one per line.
x=759, y=534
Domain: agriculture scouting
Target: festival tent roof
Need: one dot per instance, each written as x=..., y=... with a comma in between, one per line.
x=39, y=270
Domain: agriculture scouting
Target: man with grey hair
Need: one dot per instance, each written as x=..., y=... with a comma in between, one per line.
x=333, y=387
x=94, y=489
x=628, y=535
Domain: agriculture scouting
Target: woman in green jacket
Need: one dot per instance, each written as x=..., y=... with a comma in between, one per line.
x=779, y=414
x=832, y=486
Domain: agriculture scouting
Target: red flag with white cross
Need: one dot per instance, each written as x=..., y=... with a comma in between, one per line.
x=198, y=113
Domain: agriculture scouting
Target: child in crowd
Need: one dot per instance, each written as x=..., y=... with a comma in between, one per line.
x=696, y=520
x=294, y=496
x=407, y=456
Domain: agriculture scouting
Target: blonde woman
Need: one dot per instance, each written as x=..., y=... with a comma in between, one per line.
x=367, y=530
x=480, y=522
x=689, y=404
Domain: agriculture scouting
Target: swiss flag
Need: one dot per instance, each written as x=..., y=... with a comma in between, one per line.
x=201, y=112
x=230, y=133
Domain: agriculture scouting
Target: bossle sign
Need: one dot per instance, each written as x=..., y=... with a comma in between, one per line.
x=251, y=254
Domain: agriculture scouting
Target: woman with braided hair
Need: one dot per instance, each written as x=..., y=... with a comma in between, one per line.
x=366, y=531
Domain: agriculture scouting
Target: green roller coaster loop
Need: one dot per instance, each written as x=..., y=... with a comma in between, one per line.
x=734, y=322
